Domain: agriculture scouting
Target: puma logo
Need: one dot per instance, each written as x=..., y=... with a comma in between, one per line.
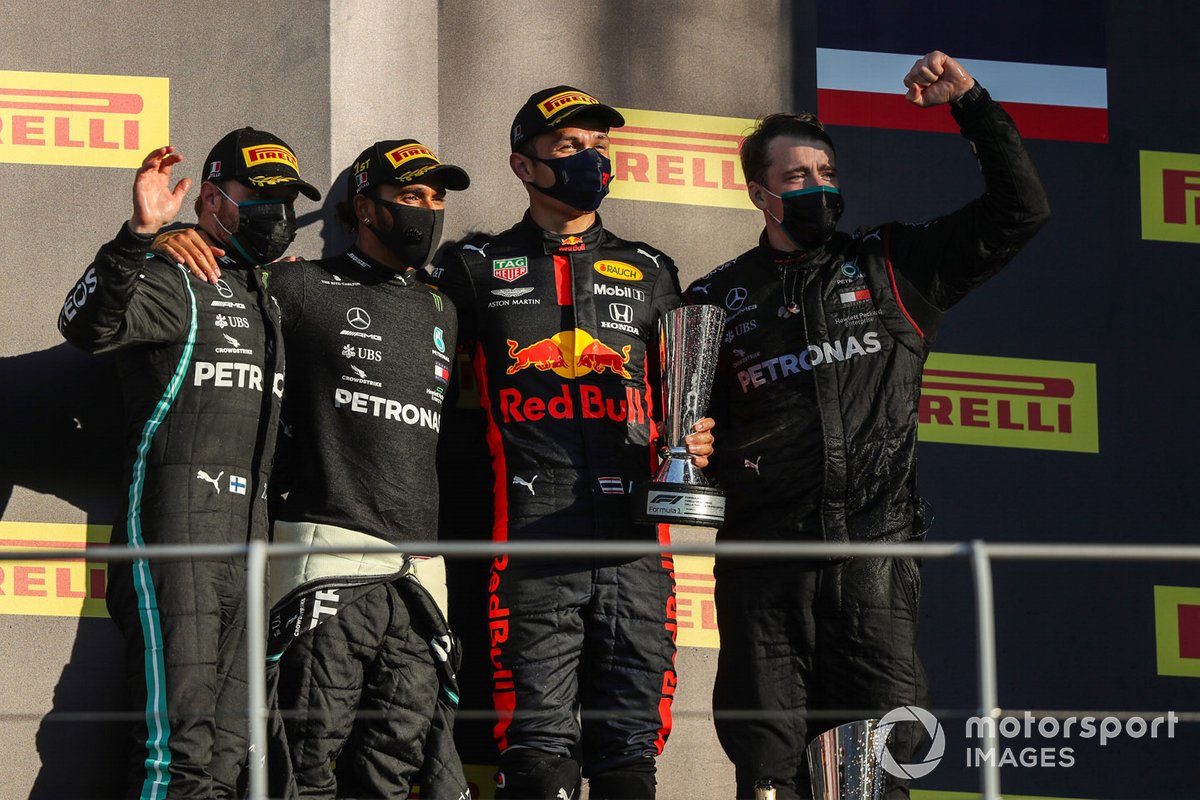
x=528, y=484
x=872, y=235
x=477, y=249
x=752, y=465
x=653, y=258
x=702, y=288
x=204, y=476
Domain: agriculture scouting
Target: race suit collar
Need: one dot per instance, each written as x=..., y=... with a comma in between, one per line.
x=359, y=266
x=780, y=259
x=559, y=242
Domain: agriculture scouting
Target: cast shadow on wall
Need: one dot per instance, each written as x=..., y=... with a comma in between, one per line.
x=65, y=440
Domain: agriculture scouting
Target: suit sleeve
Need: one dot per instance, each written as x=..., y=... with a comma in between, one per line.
x=126, y=298
x=948, y=257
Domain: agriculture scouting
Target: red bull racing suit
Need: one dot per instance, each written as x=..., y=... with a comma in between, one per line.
x=557, y=329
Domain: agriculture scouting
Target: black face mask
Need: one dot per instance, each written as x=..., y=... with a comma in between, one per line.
x=580, y=181
x=266, y=228
x=414, y=234
x=810, y=216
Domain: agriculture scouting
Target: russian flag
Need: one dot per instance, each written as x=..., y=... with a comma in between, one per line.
x=1044, y=62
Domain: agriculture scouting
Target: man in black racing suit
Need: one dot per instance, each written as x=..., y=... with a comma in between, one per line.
x=817, y=391
x=366, y=661
x=559, y=318
x=201, y=368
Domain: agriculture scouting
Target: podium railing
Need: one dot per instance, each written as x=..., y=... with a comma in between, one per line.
x=980, y=554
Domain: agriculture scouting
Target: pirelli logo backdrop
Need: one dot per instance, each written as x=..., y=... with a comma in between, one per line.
x=58, y=588
x=81, y=120
x=679, y=158
x=1170, y=196
x=1009, y=402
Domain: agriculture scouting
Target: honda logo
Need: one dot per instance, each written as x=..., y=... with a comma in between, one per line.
x=621, y=312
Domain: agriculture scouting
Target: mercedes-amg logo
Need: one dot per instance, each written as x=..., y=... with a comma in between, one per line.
x=223, y=288
x=358, y=318
x=735, y=298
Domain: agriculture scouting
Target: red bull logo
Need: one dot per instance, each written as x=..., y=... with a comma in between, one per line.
x=598, y=357
x=543, y=355
x=570, y=354
x=614, y=402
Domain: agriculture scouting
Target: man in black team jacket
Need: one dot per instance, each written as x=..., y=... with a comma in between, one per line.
x=201, y=368
x=818, y=383
x=366, y=660
x=559, y=317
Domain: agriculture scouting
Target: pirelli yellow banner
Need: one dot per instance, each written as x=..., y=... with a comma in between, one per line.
x=679, y=158
x=59, y=588
x=696, y=612
x=1010, y=402
x=81, y=120
x=1170, y=196
x=1177, y=630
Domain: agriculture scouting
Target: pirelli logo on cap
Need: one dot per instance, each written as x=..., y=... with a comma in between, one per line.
x=1170, y=196
x=270, y=153
x=556, y=103
x=408, y=152
x=1009, y=402
x=81, y=120
x=71, y=587
x=691, y=159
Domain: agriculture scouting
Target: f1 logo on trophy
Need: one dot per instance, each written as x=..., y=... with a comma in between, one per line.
x=688, y=342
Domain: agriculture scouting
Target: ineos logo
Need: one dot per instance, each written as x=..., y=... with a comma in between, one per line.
x=621, y=312
x=223, y=289
x=358, y=318
x=735, y=298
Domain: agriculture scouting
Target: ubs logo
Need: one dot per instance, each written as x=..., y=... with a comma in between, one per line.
x=358, y=318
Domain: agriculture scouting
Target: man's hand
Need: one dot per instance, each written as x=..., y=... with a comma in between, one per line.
x=700, y=441
x=154, y=202
x=187, y=248
x=936, y=78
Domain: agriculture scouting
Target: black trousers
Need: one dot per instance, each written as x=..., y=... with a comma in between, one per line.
x=184, y=626
x=594, y=637
x=800, y=643
x=359, y=689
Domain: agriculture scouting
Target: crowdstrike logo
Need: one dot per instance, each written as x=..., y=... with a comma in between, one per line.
x=933, y=729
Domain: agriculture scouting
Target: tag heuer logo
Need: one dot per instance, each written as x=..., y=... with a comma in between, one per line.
x=509, y=269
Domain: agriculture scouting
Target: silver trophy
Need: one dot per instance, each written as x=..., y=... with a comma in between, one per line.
x=688, y=342
x=843, y=763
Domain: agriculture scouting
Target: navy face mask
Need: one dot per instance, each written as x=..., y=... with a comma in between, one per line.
x=810, y=216
x=580, y=181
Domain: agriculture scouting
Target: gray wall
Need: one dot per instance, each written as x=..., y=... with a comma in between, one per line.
x=329, y=78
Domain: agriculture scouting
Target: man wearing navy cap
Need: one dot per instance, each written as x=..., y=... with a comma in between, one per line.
x=201, y=367
x=560, y=318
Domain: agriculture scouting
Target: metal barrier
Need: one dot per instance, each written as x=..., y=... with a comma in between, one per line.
x=980, y=554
